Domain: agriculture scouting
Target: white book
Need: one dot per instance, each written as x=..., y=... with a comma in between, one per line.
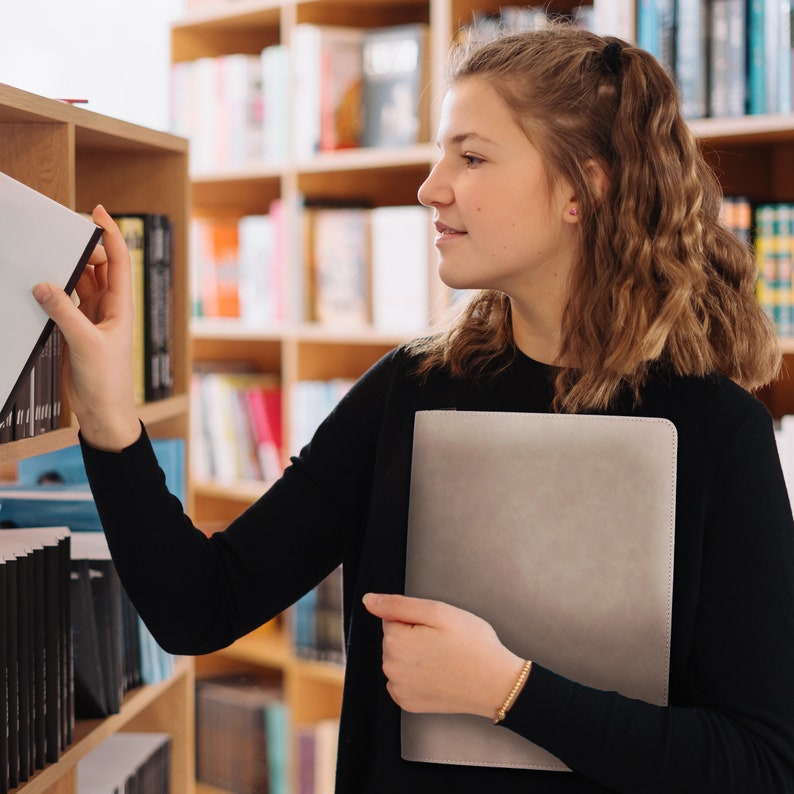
x=400, y=267
x=544, y=525
x=40, y=241
x=615, y=18
x=258, y=300
x=275, y=83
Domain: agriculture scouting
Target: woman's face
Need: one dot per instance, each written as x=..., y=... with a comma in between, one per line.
x=501, y=223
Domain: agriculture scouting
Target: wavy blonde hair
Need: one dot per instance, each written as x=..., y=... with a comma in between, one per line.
x=659, y=278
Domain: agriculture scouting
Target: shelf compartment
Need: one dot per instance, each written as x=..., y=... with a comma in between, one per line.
x=244, y=26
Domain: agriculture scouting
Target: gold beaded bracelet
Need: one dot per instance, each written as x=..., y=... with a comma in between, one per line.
x=522, y=676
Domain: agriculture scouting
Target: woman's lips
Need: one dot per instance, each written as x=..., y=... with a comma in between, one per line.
x=445, y=232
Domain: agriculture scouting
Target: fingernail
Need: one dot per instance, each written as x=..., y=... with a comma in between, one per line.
x=41, y=292
x=370, y=600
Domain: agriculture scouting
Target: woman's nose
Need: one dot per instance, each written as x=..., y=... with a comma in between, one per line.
x=433, y=190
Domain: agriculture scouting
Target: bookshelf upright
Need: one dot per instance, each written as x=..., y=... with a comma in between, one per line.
x=81, y=159
x=754, y=157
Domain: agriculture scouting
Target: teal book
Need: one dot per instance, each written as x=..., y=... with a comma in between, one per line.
x=756, y=79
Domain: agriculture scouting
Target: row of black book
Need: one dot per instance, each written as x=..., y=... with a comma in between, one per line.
x=36, y=665
x=35, y=405
x=71, y=645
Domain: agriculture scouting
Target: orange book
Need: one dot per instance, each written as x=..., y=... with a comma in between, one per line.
x=216, y=267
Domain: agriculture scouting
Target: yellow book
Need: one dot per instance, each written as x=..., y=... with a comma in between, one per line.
x=132, y=228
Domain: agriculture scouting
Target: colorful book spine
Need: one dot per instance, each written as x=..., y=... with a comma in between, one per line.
x=774, y=247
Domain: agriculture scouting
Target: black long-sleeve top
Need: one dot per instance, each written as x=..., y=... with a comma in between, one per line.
x=730, y=723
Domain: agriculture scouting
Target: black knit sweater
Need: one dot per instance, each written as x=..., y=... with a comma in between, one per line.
x=730, y=723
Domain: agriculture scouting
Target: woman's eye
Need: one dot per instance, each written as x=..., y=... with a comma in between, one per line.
x=471, y=159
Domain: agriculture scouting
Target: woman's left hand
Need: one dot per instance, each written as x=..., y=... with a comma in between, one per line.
x=438, y=658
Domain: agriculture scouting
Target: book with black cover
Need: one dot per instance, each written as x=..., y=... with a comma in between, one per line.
x=11, y=601
x=154, y=286
x=40, y=241
x=99, y=583
x=4, y=693
x=395, y=96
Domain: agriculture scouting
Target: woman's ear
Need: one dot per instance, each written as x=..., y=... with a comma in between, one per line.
x=599, y=179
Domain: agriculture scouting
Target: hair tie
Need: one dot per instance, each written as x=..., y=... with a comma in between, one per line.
x=610, y=58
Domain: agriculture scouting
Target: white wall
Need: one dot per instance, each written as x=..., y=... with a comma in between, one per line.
x=115, y=53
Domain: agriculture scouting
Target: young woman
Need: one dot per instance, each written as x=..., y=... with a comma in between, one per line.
x=570, y=196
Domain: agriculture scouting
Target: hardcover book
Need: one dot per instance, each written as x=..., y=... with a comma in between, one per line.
x=395, y=97
x=544, y=525
x=154, y=289
x=40, y=241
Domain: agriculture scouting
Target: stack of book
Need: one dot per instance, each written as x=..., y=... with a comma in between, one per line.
x=359, y=87
x=364, y=268
x=352, y=87
x=220, y=104
x=367, y=267
x=316, y=763
x=149, y=238
x=114, y=652
x=310, y=401
x=774, y=245
x=37, y=714
x=730, y=57
x=236, y=425
x=35, y=404
x=235, y=272
x=242, y=734
x=317, y=624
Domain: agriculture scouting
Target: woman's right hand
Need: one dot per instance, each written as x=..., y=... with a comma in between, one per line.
x=97, y=374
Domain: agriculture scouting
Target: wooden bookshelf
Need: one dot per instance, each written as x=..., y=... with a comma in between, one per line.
x=754, y=157
x=81, y=159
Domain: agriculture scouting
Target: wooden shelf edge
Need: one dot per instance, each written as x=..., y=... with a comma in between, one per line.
x=234, y=330
x=150, y=413
x=263, y=648
x=229, y=14
x=12, y=451
x=747, y=129
x=163, y=410
x=90, y=733
x=20, y=106
x=325, y=672
x=359, y=159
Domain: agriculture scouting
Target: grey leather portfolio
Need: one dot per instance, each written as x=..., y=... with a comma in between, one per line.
x=559, y=530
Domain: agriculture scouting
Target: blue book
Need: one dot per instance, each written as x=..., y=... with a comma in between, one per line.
x=277, y=731
x=691, y=56
x=65, y=467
